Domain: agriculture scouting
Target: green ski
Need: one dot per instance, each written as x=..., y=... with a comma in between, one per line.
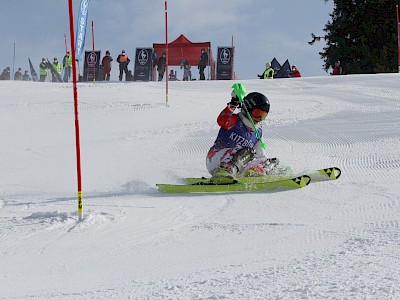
x=331, y=173
x=248, y=184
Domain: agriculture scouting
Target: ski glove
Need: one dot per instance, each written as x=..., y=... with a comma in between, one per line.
x=235, y=101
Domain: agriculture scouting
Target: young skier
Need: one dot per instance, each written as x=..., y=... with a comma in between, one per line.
x=237, y=150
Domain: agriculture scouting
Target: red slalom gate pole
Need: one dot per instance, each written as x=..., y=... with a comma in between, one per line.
x=166, y=53
x=75, y=91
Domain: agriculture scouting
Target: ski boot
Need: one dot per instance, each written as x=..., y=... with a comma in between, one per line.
x=224, y=174
x=260, y=167
x=242, y=158
x=275, y=169
x=270, y=164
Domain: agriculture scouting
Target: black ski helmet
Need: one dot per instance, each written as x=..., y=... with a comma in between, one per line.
x=256, y=100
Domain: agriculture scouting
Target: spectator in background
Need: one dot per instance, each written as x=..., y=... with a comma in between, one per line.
x=26, y=76
x=268, y=73
x=129, y=76
x=106, y=62
x=43, y=70
x=153, y=65
x=337, y=70
x=57, y=66
x=187, y=74
x=5, y=75
x=295, y=72
x=18, y=74
x=123, y=61
x=172, y=76
x=203, y=63
x=162, y=61
x=67, y=64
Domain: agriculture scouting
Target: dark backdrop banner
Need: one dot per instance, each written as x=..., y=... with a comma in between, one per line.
x=91, y=66
x=281, y=71
x=224, y=63
x=143, y=64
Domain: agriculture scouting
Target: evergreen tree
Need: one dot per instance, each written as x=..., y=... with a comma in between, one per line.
x=362, y=36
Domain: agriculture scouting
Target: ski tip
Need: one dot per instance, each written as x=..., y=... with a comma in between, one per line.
x=332, y=173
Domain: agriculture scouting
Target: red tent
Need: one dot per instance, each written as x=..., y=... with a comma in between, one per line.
x=182, y=47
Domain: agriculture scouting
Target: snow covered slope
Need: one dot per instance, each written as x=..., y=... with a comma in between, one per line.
x=330, y=240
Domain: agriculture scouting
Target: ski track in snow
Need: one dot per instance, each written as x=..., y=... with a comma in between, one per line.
x=330, y=240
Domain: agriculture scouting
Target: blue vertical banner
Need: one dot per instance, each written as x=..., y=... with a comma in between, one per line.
x=81, y=30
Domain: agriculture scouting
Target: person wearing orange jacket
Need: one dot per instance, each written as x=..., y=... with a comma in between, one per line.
x=123, y=61
x=295, y=72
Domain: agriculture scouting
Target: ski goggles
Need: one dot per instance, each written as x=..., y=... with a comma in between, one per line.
x=259, y=113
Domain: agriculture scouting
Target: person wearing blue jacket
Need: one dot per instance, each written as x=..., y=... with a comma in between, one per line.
x=237, y=150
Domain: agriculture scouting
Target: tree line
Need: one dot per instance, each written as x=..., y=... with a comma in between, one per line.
x=362, y=36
